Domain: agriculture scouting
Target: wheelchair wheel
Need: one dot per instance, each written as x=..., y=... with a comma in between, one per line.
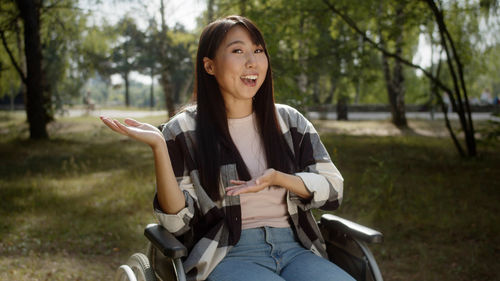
x=139, y=264
x=125, y=273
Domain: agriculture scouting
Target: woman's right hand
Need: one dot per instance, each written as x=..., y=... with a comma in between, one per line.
x=142, y=132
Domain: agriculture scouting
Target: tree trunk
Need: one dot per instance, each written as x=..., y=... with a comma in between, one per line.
x=465, y=117
x=315, y=93
x=35, y=111
x=394, y=85
x=22, y=62
x=358, y=90
x=331, y=96
x=342, y=108
x=399, y=115
x=398, y=98
x=167, y=90
x=187, y=86
x=151, y=92
x=359, y=78
x=301, y=78
x=458, y=98
x=127, y=85
x=395, y=82
x=165, y=75
x=210, y=10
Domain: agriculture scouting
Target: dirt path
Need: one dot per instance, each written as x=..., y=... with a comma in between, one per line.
x=428, y=128
x=115, y=113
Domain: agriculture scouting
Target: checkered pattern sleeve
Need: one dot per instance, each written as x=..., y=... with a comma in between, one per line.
x=315, y=167
x=175, y=132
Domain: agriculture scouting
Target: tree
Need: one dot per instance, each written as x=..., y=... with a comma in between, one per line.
x=458, y=97
x=37, y=116
x=66, y=51
x=165, y=75
x=315, y=58
x=181, y=54
x=125, y=55
x=177, y=61
x=458, y=94
x=394, y=79
x=53, y=65
x=148, y=59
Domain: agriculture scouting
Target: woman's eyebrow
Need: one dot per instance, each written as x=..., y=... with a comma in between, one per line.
x=234, y=42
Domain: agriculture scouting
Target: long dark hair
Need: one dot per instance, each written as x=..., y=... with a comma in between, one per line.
x=214, y=144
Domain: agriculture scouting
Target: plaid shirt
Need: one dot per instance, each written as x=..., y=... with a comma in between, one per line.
x=209, y=229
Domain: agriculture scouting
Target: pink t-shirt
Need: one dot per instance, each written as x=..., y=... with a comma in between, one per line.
x=266, y=207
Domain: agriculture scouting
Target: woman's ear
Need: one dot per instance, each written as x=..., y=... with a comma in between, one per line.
x=208, y=64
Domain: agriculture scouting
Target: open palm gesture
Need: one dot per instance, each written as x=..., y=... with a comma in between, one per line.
x=253, y=185
x=142, y=132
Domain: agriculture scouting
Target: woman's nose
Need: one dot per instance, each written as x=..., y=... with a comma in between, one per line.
x=251, y=60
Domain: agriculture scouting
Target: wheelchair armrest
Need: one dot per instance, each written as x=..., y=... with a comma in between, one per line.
x=165, y=241
x=363, y=233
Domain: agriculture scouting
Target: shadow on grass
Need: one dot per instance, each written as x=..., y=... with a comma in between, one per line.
x=90, y=194
x=44, y=221
x=436, y=210
x=62, y=158
x=74, y=196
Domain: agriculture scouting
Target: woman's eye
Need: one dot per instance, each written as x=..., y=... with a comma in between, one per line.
x=258, y=51
x=237, y=51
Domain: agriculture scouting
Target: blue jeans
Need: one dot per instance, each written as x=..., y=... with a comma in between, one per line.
x=273, y=254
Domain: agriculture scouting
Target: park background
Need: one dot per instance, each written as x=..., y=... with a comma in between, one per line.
x=403, y=93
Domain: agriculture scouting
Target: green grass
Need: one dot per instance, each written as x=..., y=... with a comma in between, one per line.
x=438, y=212
x=74, y=207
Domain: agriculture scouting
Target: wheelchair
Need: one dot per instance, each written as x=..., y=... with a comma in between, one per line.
x=346, y=245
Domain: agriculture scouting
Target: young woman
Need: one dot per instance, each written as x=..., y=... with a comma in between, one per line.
x=239, y=174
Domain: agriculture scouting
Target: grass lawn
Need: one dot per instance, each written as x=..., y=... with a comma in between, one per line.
x=74, y=207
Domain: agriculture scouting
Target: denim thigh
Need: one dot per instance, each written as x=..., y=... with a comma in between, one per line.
x=273, y=254
x=309, y=266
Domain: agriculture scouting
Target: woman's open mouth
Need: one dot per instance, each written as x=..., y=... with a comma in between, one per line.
x=249, y=80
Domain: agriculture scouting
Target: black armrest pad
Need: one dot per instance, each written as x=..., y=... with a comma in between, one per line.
x=165, y=241
x=363, y=233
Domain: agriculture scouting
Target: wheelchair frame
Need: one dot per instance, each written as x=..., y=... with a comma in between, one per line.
x=346, y=244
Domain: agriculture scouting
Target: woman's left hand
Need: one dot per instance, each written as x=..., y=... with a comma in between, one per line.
x=253, y=185
x=142, y=132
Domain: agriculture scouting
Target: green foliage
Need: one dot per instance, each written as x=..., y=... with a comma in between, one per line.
x=314, y=53
x=474, y=29
x=126, y=51
x=181, y=57
x=72, y=50
x=10, y=80
x=62, y=30
x=315, y=56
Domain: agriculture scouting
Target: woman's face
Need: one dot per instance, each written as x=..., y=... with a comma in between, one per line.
x=239, y=66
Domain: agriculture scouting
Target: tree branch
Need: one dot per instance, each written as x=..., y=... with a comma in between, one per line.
x=11, y=56
x=460, y=72
x=467, y=123
x=434, y=79
x=378, y=46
